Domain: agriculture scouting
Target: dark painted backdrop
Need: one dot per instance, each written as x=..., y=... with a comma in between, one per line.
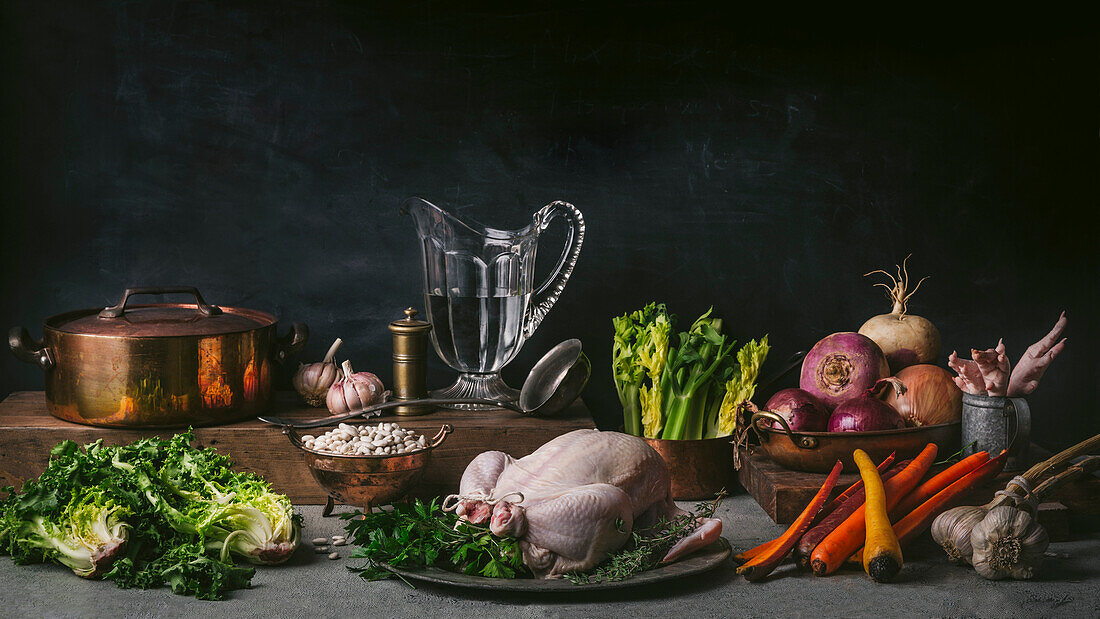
x=261, y=152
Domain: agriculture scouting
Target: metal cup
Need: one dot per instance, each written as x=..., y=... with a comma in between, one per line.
x=993, y=423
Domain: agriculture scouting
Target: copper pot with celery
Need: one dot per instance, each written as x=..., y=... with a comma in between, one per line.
x=159, y=365
x=682, y=394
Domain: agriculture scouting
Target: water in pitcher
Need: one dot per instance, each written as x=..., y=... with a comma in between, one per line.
x=476, y=334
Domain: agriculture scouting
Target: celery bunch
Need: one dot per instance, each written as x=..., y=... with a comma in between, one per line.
x=690, y=390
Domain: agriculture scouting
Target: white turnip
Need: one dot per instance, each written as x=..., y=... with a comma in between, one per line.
x=905, y=339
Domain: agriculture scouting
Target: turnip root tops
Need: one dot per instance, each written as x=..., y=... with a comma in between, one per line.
x=905, y=339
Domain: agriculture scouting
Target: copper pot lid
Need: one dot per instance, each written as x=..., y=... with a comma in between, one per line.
x=160, y=319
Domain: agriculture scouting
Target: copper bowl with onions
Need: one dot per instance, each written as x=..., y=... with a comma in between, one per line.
x=367, y=481
x=817, y=452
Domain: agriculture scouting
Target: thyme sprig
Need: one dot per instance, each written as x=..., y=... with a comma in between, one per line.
x=646, y=548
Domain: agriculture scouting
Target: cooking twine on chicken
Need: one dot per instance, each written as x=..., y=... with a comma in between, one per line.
x=450, y=503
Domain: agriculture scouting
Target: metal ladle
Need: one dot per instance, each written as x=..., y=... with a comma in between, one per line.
x=551, y=386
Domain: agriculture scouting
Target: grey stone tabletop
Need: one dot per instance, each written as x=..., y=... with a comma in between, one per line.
x=311, y=585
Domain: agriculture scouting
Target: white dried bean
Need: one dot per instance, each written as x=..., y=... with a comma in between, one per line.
x=334, y=556
x=320, y=550
x=386, y=438
x=317, y=541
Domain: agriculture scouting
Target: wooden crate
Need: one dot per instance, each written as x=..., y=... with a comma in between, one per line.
x=28, y=432
x=783, y=494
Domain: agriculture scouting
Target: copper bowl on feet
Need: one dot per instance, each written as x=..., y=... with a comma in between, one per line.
x=367, y=481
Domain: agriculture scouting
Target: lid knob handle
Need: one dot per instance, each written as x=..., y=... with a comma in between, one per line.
x=410, y=313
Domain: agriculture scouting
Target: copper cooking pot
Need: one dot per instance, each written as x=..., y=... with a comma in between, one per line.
x=159, y=366
x=817, y=452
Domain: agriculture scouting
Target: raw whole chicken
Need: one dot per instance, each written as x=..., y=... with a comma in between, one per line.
x=575, y=500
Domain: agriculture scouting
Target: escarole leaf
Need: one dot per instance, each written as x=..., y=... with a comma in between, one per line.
x=148, y=514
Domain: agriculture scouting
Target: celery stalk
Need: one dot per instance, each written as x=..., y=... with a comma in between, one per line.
x=632, y=410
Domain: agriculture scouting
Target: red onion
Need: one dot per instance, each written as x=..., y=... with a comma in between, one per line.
x=842, y=366
x=864, y=414
x=924, y=395
x=802, y=410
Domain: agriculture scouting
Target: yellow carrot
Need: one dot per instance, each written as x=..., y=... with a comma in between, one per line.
x=881, y=552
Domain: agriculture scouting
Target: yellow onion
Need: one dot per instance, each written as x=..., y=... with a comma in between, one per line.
x=924, y=395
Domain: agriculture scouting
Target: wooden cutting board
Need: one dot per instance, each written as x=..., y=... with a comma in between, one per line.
x=28, y=432
x=783, y=494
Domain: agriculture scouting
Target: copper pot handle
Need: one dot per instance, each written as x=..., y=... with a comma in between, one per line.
x=119, y=309
x=805, y=442
x=28, y=349
x=293, y=341
x=440, y=436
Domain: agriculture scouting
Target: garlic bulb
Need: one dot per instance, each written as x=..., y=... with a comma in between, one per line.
x=1008, y=543
x=952, y=528
x=313, y=380
x=356, y=390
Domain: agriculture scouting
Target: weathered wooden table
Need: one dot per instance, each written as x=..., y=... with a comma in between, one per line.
x=28, y=432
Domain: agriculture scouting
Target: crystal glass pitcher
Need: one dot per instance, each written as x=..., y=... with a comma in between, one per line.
x=480, y=293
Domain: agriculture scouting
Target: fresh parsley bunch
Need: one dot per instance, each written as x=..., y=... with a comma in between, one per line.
x=416, y=535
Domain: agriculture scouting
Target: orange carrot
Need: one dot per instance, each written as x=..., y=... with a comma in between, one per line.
x=919, y=519
x=938, y=482
x=764, y=563
x=825, y=511
x=928, y=489
x=831, y=553
x=844, y=496
x=822, y=530
x=754, y=551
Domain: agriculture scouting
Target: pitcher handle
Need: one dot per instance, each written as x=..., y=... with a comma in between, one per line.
x=1019, y=443
x=547, y=293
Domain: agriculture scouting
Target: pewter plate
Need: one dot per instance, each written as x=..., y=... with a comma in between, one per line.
x=706, y=559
